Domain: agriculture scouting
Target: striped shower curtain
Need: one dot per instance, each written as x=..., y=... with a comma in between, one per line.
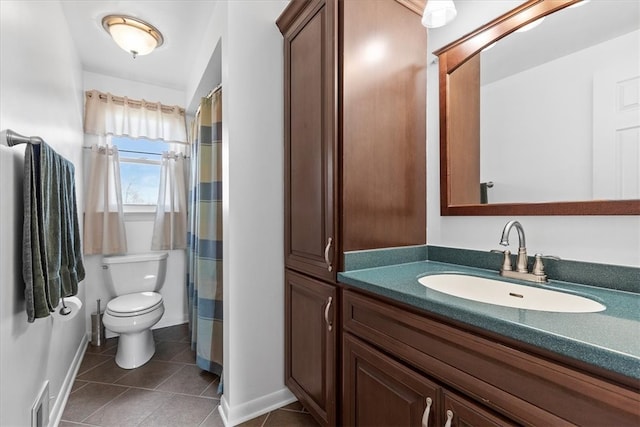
x=204, y=273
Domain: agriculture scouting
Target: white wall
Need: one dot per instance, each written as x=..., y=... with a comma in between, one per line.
x=252, y=78
x=604, y=239
x=253, y=203
x=41, y=86
x=138, y=226
x=133, y=89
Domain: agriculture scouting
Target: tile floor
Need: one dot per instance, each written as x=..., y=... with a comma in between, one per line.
x=169, y=390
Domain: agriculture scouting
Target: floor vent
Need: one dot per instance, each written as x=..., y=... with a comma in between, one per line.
x=40, y=409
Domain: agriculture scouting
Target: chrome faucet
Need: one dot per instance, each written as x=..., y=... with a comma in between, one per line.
x=521, y=263
x=522, y=272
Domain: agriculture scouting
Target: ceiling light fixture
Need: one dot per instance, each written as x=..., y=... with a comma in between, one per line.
x=132, y=34
x=438, y=13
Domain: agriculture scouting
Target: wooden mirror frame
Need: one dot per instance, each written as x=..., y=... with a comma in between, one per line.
x=459, y=52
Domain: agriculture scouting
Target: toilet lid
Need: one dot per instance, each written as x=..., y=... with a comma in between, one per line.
x=134, y=304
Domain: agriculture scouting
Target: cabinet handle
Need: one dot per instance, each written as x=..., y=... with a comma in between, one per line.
x=326, y=254
x=449, y=418
x=326, y=314
x=425, y=415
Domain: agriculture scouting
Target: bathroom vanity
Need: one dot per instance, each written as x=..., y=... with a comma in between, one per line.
x=371, y=345
x=414, y=356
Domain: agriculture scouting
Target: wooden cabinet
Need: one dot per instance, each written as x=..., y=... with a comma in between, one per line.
x=354, y=169
x=310, y=172
x=464, y=412
x=482, y=381
x=310, y=143
x=310, y=344
x=380, y=391
x=355, y=130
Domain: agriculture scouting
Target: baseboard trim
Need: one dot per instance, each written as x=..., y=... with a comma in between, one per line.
x=166, y=321
x=232, y=416
x=55, y=415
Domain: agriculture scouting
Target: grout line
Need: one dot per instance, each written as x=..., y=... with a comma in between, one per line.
x=265, y=420
x=77, y=423
x=213, y=381
x=93, y=367
x=167, y=379
x=79, y=388
x=152, y=389
x=211, y=414
x=114, y=398
x=302, y=411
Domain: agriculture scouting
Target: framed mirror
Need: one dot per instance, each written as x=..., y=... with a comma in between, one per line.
x=540, y=112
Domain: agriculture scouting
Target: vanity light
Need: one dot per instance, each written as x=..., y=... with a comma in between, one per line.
x=581, y=3
x=132, y=34
x=438, y=13
x=489, y=46
x=530, y=25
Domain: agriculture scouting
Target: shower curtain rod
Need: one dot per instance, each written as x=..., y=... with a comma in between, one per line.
x=208, y=96
x=12, y=138
x=215, y=89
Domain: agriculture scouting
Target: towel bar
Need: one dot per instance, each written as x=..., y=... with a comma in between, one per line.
x=12, y=138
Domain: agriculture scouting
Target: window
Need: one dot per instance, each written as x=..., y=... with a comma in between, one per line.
x=140, y=170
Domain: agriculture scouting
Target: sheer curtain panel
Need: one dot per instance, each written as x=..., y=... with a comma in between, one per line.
x=103, y=218
x=170, y=227
x=106, y=114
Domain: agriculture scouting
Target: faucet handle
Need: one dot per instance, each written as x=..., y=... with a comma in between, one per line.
x=538, y=266
x=506, y=262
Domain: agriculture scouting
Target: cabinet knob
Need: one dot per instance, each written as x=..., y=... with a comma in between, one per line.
x=326, y=314
x=425, y=415
x=449, y=418
x=326, y=254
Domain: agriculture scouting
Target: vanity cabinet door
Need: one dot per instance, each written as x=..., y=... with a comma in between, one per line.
x=379, y=391
x=463, y=412
x=310, y=344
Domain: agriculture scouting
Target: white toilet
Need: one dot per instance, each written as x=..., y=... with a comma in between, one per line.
x=134, y=280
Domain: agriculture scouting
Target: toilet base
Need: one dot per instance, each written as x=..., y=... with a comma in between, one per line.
x=135, y=349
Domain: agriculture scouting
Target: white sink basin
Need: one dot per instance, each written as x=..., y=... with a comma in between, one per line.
x=509, y=294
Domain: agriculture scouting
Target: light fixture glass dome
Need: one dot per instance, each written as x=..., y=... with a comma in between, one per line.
x=132, y=35
x=438, y=13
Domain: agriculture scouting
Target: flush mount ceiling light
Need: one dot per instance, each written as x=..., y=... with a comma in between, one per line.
x=438, y=13
x=132, y=34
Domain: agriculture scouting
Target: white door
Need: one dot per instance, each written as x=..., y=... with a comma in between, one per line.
x=616, y=133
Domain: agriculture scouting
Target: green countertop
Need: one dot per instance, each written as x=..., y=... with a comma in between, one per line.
x=609, y=339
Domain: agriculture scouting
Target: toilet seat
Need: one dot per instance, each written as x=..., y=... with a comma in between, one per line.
x=135, y=304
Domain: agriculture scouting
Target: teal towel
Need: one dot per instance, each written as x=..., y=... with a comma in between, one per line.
x=52, y=260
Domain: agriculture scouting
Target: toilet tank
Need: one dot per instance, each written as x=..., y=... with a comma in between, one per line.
x=126, y=274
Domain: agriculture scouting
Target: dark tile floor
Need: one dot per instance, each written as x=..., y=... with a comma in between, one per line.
x=169, y=390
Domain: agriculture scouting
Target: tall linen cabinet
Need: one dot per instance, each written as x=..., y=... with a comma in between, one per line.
x=355, y=143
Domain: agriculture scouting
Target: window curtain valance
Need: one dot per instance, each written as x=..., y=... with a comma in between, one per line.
x=106, y=114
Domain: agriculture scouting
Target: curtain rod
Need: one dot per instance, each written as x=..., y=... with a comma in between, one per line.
x=214, y=90
x=136, y=152
x=12, y=138
x=134, y=102
x=208, y=96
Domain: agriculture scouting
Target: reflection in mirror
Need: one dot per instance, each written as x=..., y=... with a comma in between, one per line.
x=545, y=116
x=561, y=117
